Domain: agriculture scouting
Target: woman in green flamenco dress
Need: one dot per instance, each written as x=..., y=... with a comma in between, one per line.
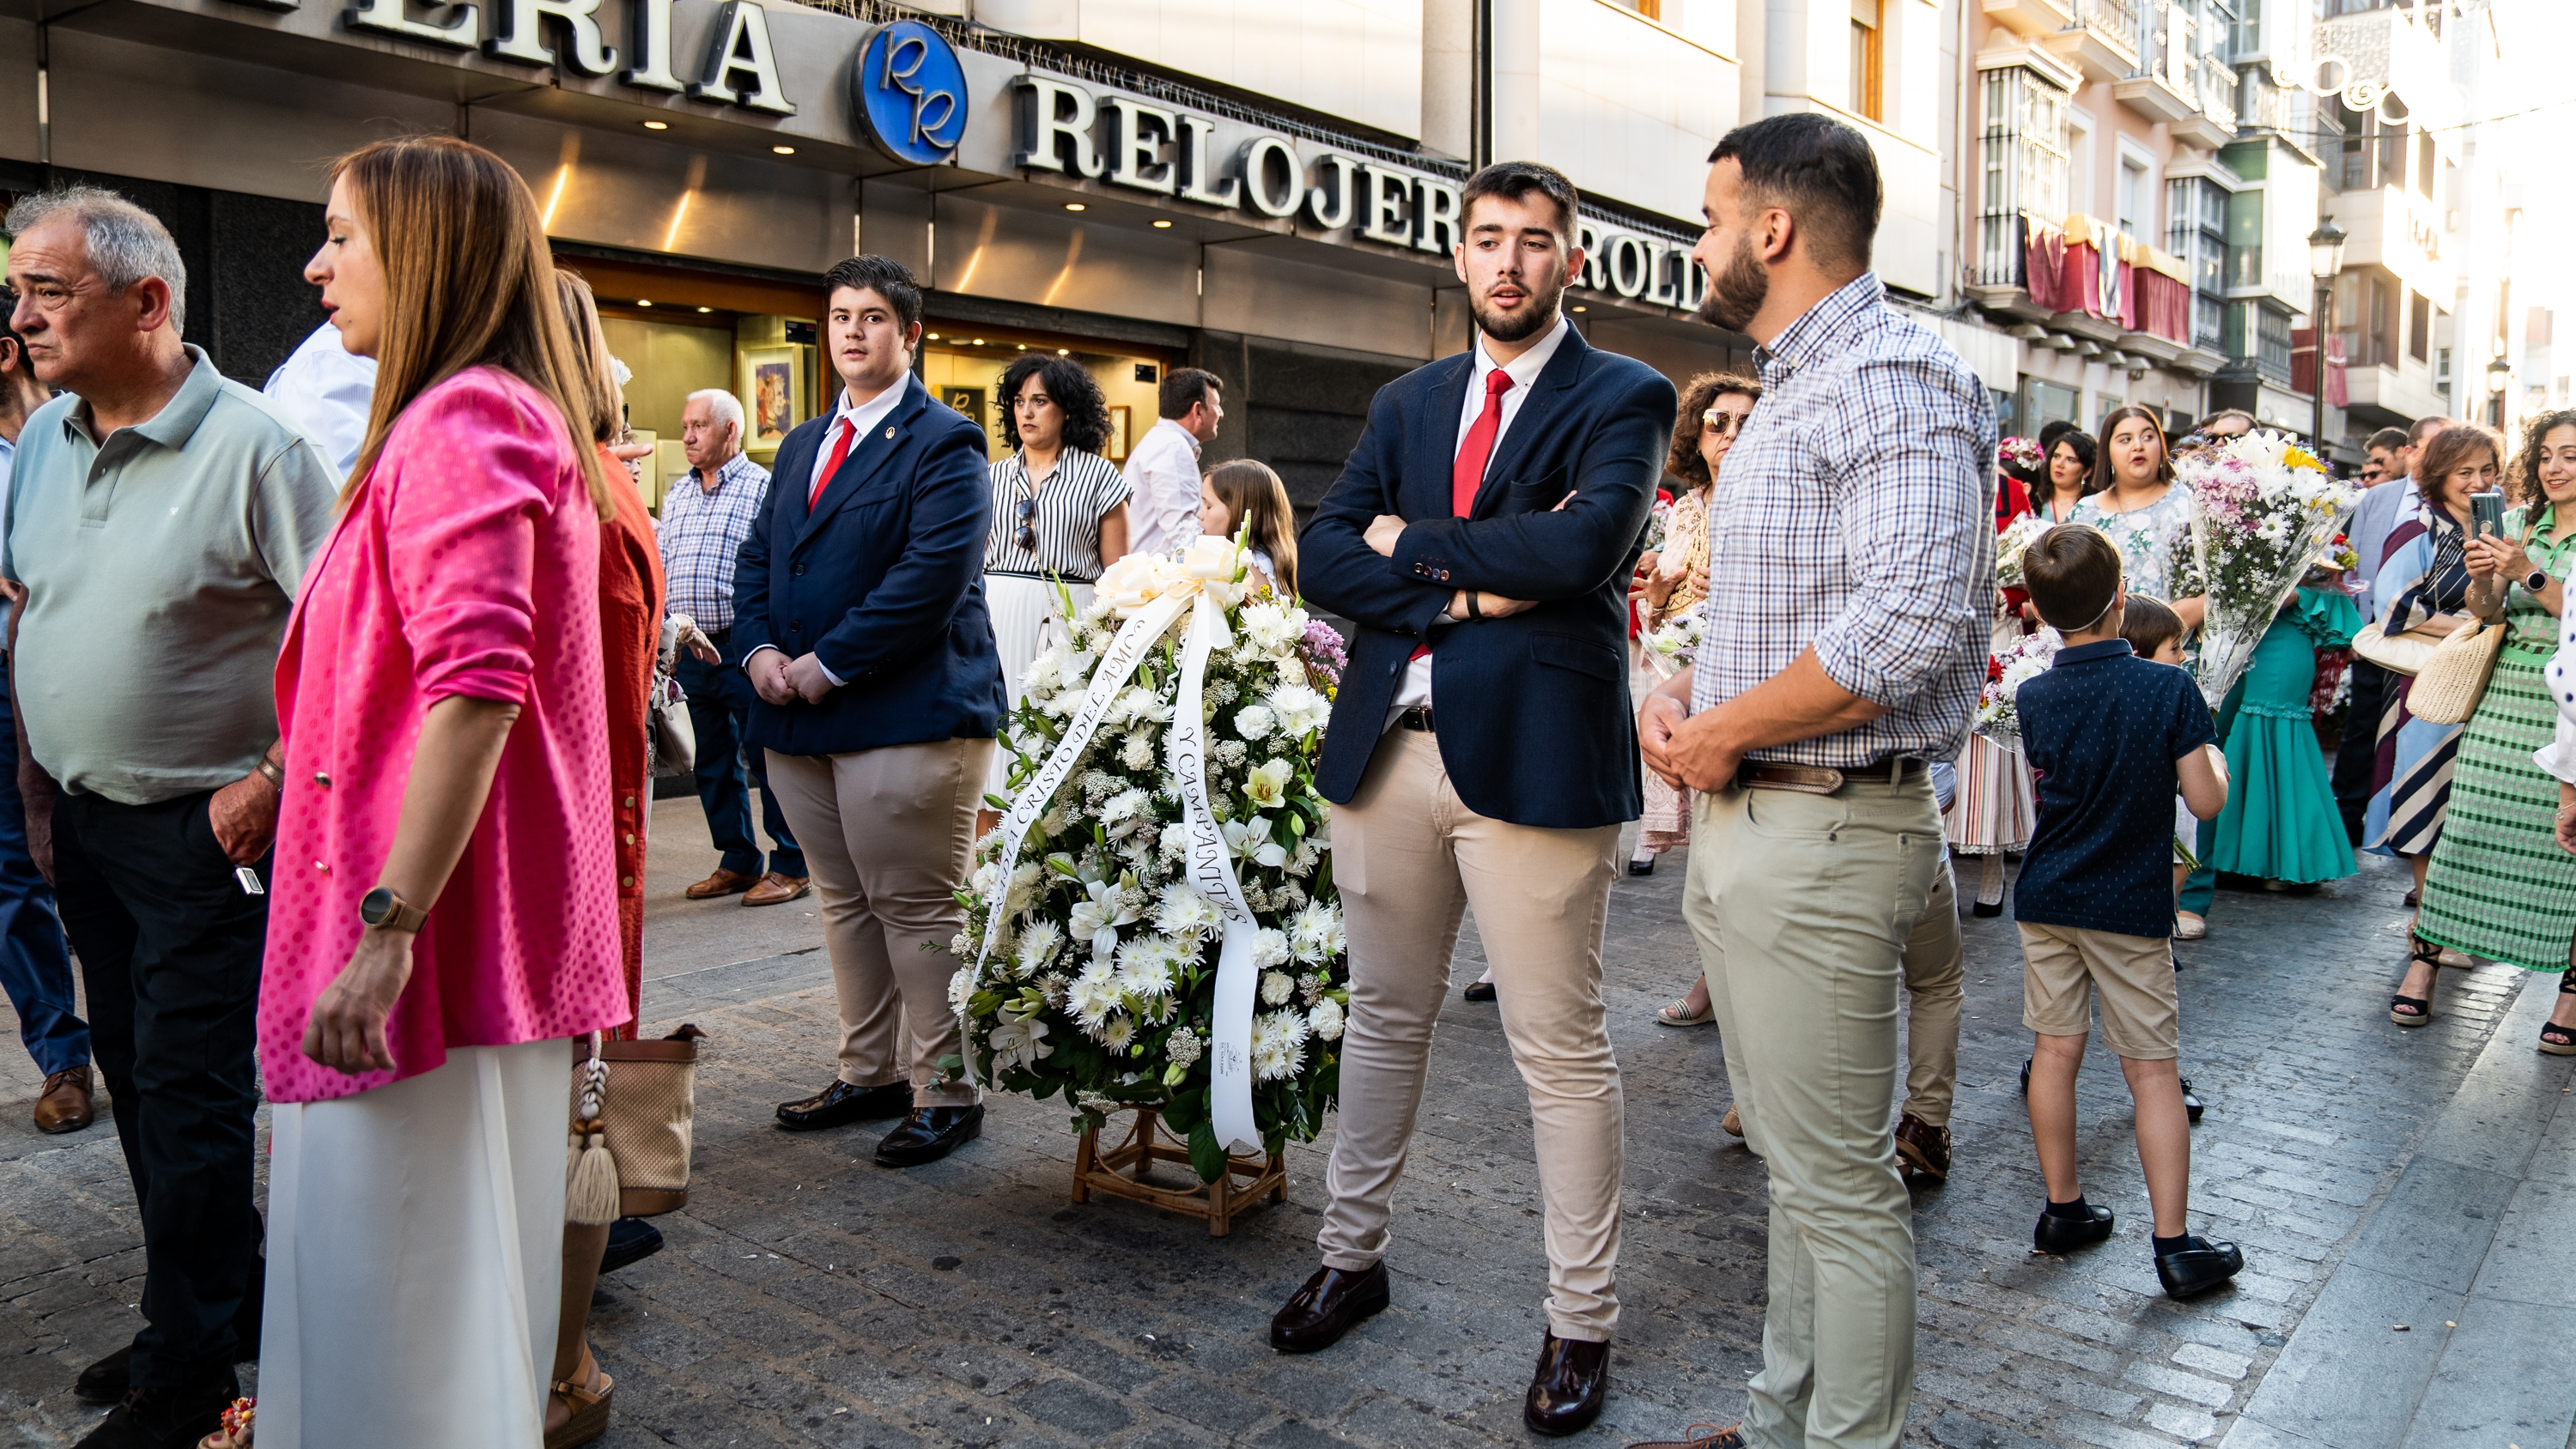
x=2281, y=823
x=2500, y=887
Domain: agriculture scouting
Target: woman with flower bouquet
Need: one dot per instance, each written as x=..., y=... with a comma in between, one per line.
x=1994, y=810
x=2499, y=886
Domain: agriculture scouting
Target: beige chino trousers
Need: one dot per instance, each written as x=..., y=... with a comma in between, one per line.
x=887, y=835
x=1409, y=859
x=1803, y=906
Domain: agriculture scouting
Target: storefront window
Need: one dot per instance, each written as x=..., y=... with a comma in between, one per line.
x=962, y=366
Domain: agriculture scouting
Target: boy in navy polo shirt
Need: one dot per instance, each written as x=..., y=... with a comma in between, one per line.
x=2113, y=737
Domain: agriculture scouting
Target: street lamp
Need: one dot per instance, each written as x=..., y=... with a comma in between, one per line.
x=2499, y=373
x=2325, y=263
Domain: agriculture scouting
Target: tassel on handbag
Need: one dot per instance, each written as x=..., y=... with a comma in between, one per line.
x=590, y=1171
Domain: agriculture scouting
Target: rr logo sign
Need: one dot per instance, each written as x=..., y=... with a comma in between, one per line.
x=907, y=87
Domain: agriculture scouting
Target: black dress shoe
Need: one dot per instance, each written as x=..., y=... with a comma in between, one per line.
x=2191, y=1106
x=165, y=1418
x=630, y=1241
x=2197, y=1269
x=1565, y=1394
x=1642, y=867
x=841, y=1104
x=2062, y=1235
x=104, y=1382
x=930, y=1134
x=1479, y=991
x=1986, y=908
x=1319, y=1313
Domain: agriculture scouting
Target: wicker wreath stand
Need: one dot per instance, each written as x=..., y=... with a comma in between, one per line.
x=1096, y=1170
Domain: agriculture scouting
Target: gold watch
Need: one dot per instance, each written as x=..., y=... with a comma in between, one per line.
x=385, y=911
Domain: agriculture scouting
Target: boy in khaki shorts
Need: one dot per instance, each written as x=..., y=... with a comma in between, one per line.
x=2113, y=737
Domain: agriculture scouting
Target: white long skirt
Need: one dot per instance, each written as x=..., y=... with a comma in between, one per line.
x=415, y=1258
x=1025, y=620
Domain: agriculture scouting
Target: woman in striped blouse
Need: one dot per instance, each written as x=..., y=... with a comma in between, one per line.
x=1059, y=512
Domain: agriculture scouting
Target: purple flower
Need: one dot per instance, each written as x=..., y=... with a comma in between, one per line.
x=1322, y=647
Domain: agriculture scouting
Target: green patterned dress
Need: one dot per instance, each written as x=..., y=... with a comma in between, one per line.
x=2499, y=887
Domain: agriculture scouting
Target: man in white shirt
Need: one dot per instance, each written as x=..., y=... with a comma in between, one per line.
x=1163, y=471
x=327, y=390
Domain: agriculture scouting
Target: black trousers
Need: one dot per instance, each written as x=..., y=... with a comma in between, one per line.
x=169, y=950
x=2360, y=748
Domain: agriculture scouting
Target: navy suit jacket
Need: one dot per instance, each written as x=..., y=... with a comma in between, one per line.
x=883, y=582
x=1534, y=719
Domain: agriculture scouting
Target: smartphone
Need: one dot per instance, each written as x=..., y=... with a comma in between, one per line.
x=2486, y=512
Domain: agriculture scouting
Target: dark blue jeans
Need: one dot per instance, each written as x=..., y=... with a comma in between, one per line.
x=719, y=700
x=35, y=966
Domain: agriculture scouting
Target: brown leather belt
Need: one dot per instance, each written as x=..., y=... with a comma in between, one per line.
x=1822, y=780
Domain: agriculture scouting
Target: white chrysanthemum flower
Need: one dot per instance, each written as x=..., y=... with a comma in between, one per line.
x=1145, y=969
x=1183, y=1047
x=1253, y=721
x=1324, y=1019
x=1038, y=943
x=1117, y=1031
x=1315, y=934
x=1025, y=884
x=1183, y=914
x=1300, y=708
x=1138, y=752
x=1124, y=805
x=1278, y=1045
x=1265, y=627
x=1266, y=784
x=960, y=986
x=1159, y=1011
x=1175, y=841
x=1092, y=996
x=1276, y=988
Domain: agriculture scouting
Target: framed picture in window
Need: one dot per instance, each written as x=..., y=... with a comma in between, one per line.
x=773, y=394
x=1115, y=450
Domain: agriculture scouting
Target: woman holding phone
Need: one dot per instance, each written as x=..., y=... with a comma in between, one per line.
x=2423, y=589
x=2496, y=886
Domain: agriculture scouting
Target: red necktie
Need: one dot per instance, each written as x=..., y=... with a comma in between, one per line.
x=1468, y=473
x=841, y=437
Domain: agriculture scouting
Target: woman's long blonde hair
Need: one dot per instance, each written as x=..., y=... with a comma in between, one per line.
x=595, y=377
x=1252, y=494
x=469, y=282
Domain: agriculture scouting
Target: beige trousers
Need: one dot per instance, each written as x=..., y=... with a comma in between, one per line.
x=1936, y=984
x=1409, y=858
x=887, y=834
x=1803, y=906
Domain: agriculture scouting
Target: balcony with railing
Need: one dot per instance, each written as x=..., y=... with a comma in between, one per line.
x=2105, y=39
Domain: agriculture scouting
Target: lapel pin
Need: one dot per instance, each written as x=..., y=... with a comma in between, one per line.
x=889, y=432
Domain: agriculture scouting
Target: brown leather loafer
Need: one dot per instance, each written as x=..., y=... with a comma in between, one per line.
x=65, y=1105
x=1922, y=1152
x=1318, y=1314
x=777, y=890
x=1565, y=1394
x=722, y=883
x=841, y=1104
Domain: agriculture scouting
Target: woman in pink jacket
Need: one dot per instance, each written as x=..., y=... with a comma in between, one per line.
x=444, y=911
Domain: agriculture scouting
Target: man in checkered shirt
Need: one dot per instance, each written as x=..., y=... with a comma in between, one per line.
x=704, y=520
x=1851, y=578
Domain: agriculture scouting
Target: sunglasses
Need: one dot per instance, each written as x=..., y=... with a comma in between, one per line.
x=1726, y=423
x=1027, y=538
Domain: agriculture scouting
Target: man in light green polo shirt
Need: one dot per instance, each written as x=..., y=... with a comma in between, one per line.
x=160, y=518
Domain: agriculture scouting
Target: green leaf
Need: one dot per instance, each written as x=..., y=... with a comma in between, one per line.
x=1207, y=1155
x=1184, y=1112
x=952, y=1064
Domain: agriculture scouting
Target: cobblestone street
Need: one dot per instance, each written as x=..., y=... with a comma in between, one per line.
x=808, y=1297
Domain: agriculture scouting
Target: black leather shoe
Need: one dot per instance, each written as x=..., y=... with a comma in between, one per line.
x=1479, y=991
x=2064, y=1235
x=2197, y=1269
x=104, y=1382
x=630, y=1241
x=2191, y=1106
x=1318, y=1314
x=1642, y=867
x=167, y=1418
x=1986, y=908
x=841, y=1104
x=1565, y=1394
x=930, y=1134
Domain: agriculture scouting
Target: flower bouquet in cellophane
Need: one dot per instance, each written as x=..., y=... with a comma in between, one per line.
x=2265, y=509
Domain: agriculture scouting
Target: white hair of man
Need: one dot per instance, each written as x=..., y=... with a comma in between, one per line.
x=125, y=242
x=724, y=405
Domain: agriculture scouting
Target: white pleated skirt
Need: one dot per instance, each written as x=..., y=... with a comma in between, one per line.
x=415, y=1258
x=1026, y=619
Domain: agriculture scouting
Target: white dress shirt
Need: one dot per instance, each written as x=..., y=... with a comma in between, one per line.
x=1163, y=488
x=1523, y=371
x=861, y=418
x=326, y=391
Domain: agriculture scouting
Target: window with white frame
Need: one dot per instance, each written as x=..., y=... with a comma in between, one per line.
x=2023, y=167
x=2196, y=231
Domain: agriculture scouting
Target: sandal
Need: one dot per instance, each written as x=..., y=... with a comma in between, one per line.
x=1678, y=1014
x=2560, y=1041
x=2417, y=1010
x=589, y=1403
x=235, y=1432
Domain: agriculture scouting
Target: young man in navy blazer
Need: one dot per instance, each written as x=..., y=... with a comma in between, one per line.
x=1482, y=753
x=859, y=608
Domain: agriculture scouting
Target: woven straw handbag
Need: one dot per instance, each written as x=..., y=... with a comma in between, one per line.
x=633, y=1108
x=2454, y=677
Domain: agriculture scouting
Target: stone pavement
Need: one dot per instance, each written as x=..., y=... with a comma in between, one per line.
x=808, y=1297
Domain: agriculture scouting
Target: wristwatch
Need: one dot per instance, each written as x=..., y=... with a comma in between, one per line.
x=2536, y=580
x=385, y=911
